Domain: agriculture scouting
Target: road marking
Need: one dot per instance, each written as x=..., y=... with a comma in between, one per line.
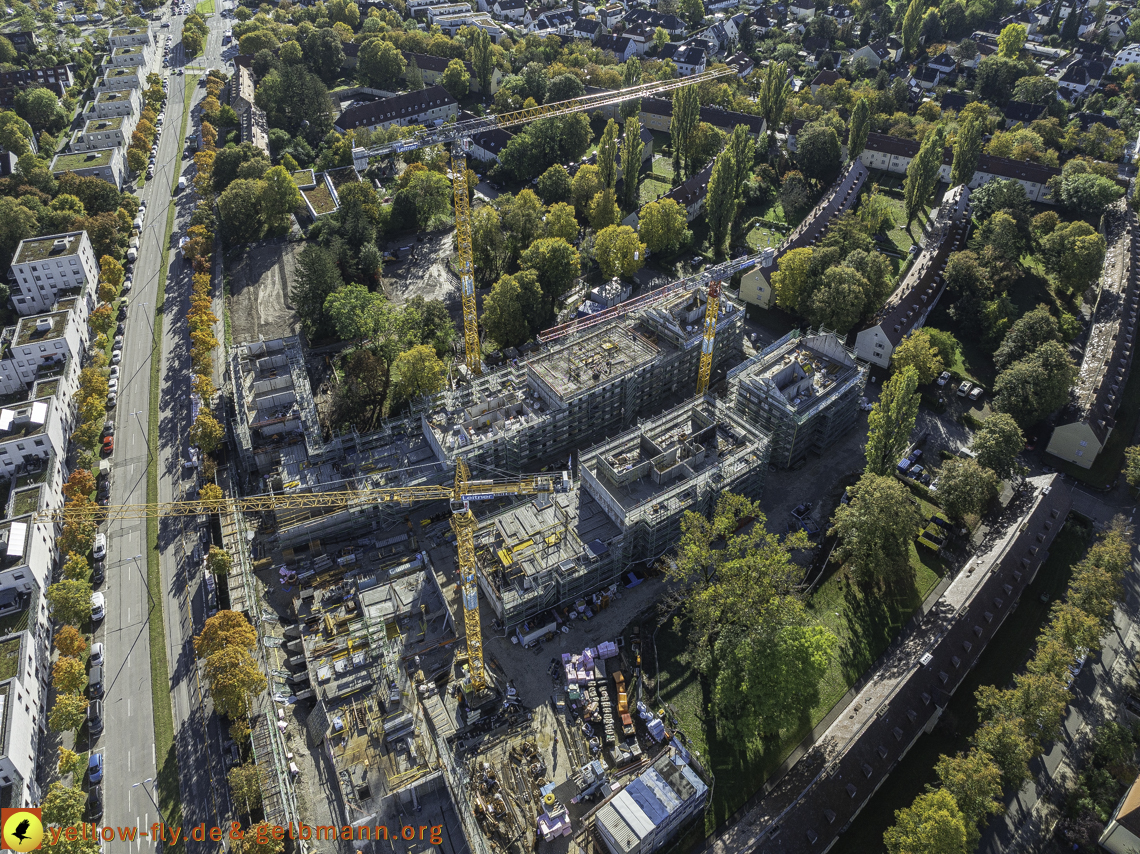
x=128, y=698
x=153, y=760
x=128, y=760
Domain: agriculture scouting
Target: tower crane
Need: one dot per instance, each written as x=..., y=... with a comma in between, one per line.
x=458, y=136
x=464, y=491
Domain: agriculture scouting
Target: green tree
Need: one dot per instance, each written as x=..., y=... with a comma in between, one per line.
x=1132, y=466
x=514, y=305
x=1011, y=40
x=630, y=77
x=482, y=57
x=245, y=786
x=234, y=679
x=743, y=148
x=922, y=173
x=240, y=214
x=875, y=530
x=662, y=225
x=860, y=128
x=564, y=87
x=917, y=351
x=587, y=183
x=604, y=210
x=974, y=780
x=660, y=37
x=554, y=185
x=818, y=154
x=413, y=77
x=912, y=21
x=607, y=155
x=618, y=251
x=772, y=94
x=352, y=311
x=1028, y=332
x=631, y=149
x=972, y=124
x=686, y=114
x=427, y=195
x=997, y=445
x=522, y=220
x=416, y=372
x=750, y=633
x=965, y=488
x=1002, y=738
x=792, y=282
x=720, y=203
x=489, y=251
x=933, y=823
x=219, y=562
x=280, y=196
x=16, y=223
x=41, y=109
x=68, y=712
x=556, y=264
x=379, y=64
x=455, y=79
x=891, y=422
x=7, y=51
x=1035, y=386
x=316, y=277
x=70, y=601
x=839, y=301
x=1085, y=193
x=15, y=133
x=1074, y=253
x=70, y=642
x=561, y=222
x=63, y=806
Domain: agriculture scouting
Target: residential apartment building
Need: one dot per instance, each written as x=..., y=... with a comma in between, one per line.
x=103, y=133
x=57, y=79
x=41, y=344
x=31, y=431
x=46, y=268
x=110, y=164
x=921, y=288
x=116, y=78
x=430, y=106
x=133, y=56
x=1085, y=426
x=132, y=37
x=109, y=104
x=803, y=391
x=432, y=68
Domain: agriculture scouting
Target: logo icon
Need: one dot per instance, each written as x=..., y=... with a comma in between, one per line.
x=21, y=829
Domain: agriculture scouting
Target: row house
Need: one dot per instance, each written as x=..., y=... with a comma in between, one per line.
x=876, y=53
x=432, y=68
x=44, y=269
x=657, y=114
x=509, y=10
x=671, y=24
x=1128, y=54
x=103, y=133
x=123, y=102
x=587, y=28
x=135, y=55
x=132, y=37
x=430, y=106
x=57, y=79
x=434, y=13
x=107, y=164
x=116, y=79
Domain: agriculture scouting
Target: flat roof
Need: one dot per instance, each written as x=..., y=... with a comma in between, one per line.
x=109, y=97
x=28, y=328
x=803, y=370
x=122, y=71
x=127, y=51
x=592, y=360
x=113, y=123
x=39, y=248
x=83, y=160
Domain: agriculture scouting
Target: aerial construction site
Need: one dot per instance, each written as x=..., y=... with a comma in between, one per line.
x=462, y=629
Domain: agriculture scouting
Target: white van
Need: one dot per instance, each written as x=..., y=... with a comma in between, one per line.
x=181, y=184
x=100, y=550
x=132, y=254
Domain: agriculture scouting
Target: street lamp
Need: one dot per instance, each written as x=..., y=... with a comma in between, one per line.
x=149, y=319
x=157, y=809
x=146, y=582
x=138, y=413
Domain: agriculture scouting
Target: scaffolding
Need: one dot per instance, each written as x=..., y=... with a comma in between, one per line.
x=803, y=391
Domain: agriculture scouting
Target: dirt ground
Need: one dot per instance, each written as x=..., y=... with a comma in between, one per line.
x=423, y=272
x=259, y=292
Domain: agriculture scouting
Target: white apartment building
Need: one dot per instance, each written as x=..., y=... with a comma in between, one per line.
x=132, y=37
x=45, y=267
x=115, y=79
x=114, y=132
x=121, y=102
x=41, y=345
x=108, y=164
x=135, y=55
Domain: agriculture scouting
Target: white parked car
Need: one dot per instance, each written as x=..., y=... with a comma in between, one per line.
x=99, y=550
x=114, y=372
x=943, y=378
x=116, y=357
x=98, y=607
x=96, y=650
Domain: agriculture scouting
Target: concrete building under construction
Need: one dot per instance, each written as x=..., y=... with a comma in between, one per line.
x=803, y=391
x=583, y=388
x=539, y=557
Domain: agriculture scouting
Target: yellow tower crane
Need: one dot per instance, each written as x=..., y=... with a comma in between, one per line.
x=457, y=136
x=712, y=310
x=464, y=491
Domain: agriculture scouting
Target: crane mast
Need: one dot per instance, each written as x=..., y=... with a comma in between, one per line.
x=466, y=264
x=712, y=310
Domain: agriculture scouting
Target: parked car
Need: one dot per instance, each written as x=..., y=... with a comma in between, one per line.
x=114, y=372
x=98, y=573
x=112, y=400
x=96, y=656
x=108, y=445
x=98, y=607
x=95, y=802
x=976, y=392
x=943, y=378
x=964, y=388
x=99, y=550
x=94, y=718
x=117, y=356
x=95, y=767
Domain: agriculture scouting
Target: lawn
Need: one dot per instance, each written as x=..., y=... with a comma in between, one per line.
x=206, y=7
x=865, y=624
x=652, y=190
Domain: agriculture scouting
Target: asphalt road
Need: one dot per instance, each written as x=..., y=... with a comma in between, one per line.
x=128, y=742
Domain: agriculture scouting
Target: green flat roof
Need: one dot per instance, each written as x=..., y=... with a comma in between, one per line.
x=113, y=123
x=27, y=330
x=83, y=160
x=26, y=501
x=39, y=248
x=120, y=71
x=9, y=658
x=108, y=97
x=127, y=51
x=127, y=31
